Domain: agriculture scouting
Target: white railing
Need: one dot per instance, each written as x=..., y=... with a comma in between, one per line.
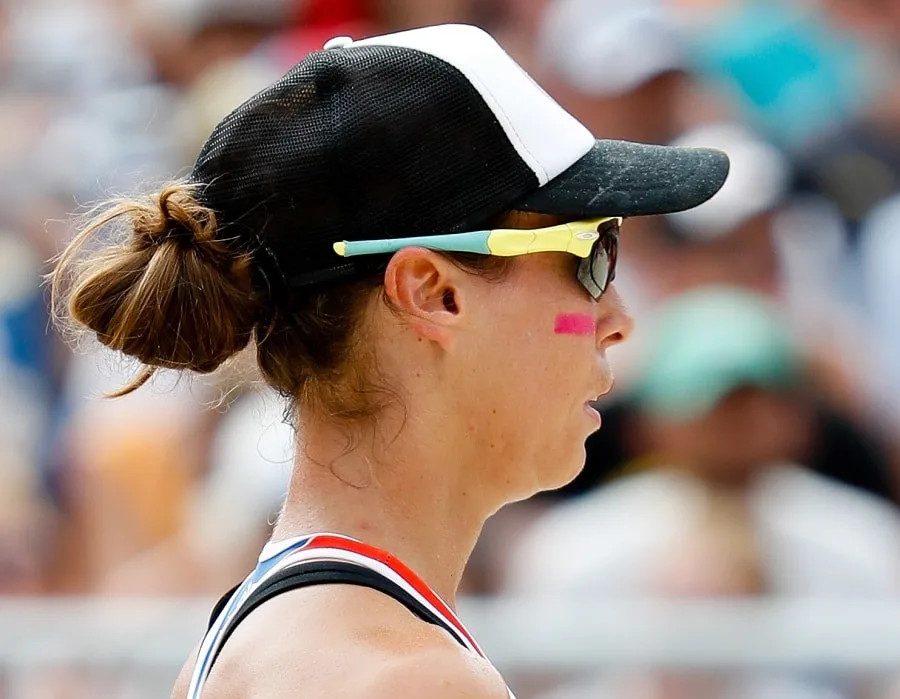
x=139, y=637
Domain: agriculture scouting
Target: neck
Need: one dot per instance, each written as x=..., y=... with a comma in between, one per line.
x=400, y=489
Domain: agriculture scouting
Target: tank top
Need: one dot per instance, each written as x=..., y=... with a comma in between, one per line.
x=322, y=559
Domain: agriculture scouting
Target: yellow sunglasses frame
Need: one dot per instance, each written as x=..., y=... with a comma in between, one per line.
x=577, y=238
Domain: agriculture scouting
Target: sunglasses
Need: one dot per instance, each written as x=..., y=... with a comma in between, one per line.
x=595, y=241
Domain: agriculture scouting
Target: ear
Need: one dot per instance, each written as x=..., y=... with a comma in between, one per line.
x=424, y=286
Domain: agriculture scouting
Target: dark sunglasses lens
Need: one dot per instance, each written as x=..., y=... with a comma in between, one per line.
x=597, y=271
x=587, y=278
x=610, y=243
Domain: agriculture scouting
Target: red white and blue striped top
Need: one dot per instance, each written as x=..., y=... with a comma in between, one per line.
x=299, y=556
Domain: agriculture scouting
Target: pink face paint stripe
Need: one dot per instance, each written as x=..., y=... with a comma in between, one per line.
x=575, y=324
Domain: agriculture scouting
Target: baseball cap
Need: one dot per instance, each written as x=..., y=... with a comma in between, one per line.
x=611, y=47
x=708, y=342
x=423, y=132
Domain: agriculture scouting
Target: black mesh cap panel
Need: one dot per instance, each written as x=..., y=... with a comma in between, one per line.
x=356, y=143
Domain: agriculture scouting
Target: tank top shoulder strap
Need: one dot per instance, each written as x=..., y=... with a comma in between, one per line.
x=334, y=573
x=320, y=560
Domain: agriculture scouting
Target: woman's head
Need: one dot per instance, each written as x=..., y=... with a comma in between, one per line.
x=433, y=132
x=492, y=337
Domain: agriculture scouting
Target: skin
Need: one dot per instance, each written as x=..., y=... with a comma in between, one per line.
x=465, y=354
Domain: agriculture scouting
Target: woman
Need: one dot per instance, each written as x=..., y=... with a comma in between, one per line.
x=418, y=241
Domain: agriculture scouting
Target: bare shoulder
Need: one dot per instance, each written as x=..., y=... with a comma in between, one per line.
x=180, y=691
x=437, y=673
x=342, y=643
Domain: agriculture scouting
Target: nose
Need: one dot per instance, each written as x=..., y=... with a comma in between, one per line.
x=614, y=322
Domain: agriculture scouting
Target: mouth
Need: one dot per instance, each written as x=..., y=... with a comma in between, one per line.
x=593, y=404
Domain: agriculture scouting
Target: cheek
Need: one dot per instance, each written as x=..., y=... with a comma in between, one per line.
x=532, y=378
x=557, y=361
x=536, y=341
x=547, y=359
x=580, y=324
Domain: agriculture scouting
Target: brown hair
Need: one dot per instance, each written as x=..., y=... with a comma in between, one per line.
x=173, y=293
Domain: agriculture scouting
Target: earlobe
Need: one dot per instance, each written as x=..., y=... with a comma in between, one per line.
x=422, y=285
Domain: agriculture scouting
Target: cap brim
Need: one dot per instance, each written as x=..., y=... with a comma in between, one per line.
x=621, y=178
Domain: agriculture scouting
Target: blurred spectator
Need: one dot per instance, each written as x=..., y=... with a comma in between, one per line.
x=218, y=90
x=730, y=239
x=850, y=173
x=26, y=528
x=204, y=32
x=227, y=515
x=718, y=501
x=754, y=235
x=871, y=20
x=123, y=468
x=123, y=474
x=880, y=257
x=70, y=47
x=706, y=478
x=26, y=520
x=23, y=349
x=320, y=20
x=786, y=69
x=620, y=67
x=406, y=14
x=720, y=406
x=855, y=170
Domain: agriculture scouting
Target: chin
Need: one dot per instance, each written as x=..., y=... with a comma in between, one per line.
x=559, y=472
x=551, y=465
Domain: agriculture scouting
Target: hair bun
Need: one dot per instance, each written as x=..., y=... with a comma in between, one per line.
x=181, y=221
x=173, y=296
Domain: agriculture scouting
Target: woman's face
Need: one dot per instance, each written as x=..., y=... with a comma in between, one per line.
x=531, y=358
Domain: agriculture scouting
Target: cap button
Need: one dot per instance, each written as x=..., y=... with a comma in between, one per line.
x=338, y=42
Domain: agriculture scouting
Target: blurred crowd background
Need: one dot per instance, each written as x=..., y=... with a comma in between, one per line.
x=752, y=445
